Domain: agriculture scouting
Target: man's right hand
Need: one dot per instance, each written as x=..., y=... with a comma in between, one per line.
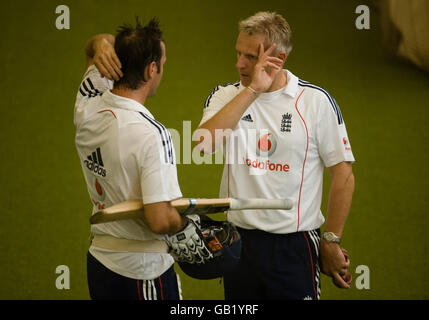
x=189, y=245
x=106, y=60
x=100, y=51
x=265, y=69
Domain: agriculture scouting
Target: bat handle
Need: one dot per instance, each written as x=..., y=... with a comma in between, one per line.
x=191, y=206
x=243, y=204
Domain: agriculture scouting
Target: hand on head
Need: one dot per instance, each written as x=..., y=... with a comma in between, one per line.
x=265, y=69
x=106, y=60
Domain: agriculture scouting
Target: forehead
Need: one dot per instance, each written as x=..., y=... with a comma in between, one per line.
x=163, y=47
x=249, y=43
x=164, y=54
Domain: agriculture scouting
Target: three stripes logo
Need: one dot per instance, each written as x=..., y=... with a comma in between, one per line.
x=207, y=103
x=332, y=101
x=87, y=89
x=167, y=144
x=94, y=163
x=247, y=118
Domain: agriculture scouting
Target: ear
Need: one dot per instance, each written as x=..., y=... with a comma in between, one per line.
x=282, y=55
x=150, y=71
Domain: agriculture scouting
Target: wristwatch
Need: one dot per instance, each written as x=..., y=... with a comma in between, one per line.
x=331, y=237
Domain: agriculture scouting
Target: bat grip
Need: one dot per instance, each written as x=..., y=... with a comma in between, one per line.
x=192, y=204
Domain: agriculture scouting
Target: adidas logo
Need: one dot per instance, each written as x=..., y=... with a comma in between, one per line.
x=95, y=163
x=247, y=118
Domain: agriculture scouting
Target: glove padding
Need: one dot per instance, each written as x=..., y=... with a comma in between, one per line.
x=189, y=245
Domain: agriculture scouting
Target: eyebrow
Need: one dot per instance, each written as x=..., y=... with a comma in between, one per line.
x=249, y=55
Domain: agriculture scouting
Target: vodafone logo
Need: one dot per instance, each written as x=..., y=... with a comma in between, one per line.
x=99, y=189
x=267, y=165
x=266, y=145
x=99, y=195
x=346, y=144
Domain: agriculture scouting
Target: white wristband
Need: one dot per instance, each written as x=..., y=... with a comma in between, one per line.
x=253, y=90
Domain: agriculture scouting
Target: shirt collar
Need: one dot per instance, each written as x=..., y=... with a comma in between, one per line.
x=291, y=89
x=116, y=101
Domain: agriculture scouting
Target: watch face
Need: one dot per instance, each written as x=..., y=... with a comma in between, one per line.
x=331, y=237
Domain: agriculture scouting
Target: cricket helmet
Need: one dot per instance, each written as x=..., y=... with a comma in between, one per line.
x=224, y=242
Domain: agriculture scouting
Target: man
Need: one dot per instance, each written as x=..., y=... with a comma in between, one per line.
x=126, y=154
x=299, y=131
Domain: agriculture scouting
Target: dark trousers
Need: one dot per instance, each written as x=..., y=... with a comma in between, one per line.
x=276, y=266
x=105, y=284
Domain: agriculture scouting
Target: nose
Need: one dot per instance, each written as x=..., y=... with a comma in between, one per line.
x=240, y=62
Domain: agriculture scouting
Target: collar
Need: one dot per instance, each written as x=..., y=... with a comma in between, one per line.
x=291, y=89
x=115, y=101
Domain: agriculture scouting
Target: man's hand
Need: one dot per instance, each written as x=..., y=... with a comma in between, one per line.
x=100, y=51
x=189, y=245
x=106, y=60
x=265, y=69
x=335, y=263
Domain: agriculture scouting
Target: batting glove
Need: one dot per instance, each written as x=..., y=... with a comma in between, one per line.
x=189, y=245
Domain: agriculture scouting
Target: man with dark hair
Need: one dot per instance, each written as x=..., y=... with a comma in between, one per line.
x=130, y=49
x=126, y=155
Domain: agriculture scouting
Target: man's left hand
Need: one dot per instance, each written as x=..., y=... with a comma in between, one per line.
x=335, y=263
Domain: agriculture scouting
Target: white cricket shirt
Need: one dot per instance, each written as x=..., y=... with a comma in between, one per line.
x=125, y=155
x=279, y=149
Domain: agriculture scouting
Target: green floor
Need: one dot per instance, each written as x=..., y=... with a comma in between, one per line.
x=44, y=203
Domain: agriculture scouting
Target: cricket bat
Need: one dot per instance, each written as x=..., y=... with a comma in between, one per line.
x=134, y=209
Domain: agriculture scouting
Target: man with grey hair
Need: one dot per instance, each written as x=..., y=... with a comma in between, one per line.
x=299, y=131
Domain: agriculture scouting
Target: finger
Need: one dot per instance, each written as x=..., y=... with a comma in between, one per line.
x=116, y=64
x=102, y=69
x=115, y=67
x=272, y=69
x=261, y=50
x=270, y=49
x=348, y=278
x=117, y=61
x=272, y=65
x=343, y=271
x=339, y=281
x=275, y=60
x=346, y=262
x=343, y=266
x=345, y=253
x=109, y=68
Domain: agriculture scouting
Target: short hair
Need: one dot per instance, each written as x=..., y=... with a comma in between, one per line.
x=273, y=26
x=136, y=48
